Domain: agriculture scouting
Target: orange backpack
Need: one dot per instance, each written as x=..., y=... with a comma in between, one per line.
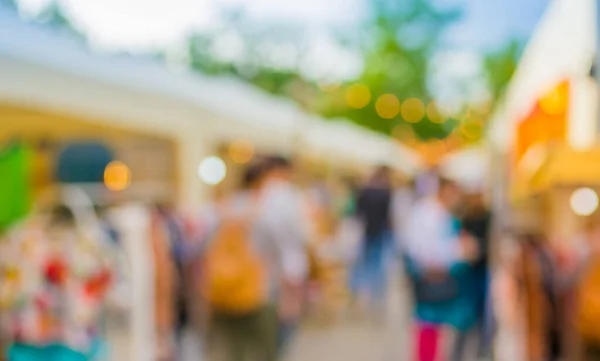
x=236, y=277
x=588, y=312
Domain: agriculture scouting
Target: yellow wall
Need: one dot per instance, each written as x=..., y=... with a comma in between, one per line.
x=150, y=158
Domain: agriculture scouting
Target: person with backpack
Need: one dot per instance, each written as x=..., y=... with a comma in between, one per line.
x=254, y=255
x=287, y=226
x=235, y=281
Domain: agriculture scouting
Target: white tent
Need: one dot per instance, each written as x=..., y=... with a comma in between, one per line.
x=562, y=48
x=45, y=69
x=469, y=167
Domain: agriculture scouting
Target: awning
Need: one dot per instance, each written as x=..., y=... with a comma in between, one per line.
x=41, y=68
x=562, y=48
x=561, y=167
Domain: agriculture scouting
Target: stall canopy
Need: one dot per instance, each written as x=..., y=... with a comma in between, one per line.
x=469, y=167
x=568, y=167
x=45, y=69
x=561, y=49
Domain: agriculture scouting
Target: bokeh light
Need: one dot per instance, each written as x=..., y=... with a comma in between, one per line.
x=434, y=151
x=117, y=176
x=413, y=110
x=358, y=96
x=471, y=129
x=434, y=114
x=533, y=158
x=212, y=170
x=241, y=151
x=387, y=106
x=554, y=102
x=404, y=133
x=584, y=201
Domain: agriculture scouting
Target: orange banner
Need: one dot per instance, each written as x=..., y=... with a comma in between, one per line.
x=547, y=121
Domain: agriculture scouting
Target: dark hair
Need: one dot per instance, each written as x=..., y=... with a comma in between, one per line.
x=253, y=175
x=277, y=163
x=444, y=182
x=62, y=215
x=382, y=174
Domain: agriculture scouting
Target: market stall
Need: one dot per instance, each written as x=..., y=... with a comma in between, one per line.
x=545, y=152
x=50, y=74
x=550, y=108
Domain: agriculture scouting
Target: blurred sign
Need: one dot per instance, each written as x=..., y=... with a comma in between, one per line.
x=547, y=121
x=83, y=162
x=14, y=184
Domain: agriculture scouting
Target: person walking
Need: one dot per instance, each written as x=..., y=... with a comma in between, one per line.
x=288, y=226
x=437, y=257
x=239, y=278
x=476, y=222
x=373, y=209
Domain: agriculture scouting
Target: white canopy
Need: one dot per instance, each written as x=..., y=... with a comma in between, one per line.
x=469, y=167
x=43, y=68
x=562, y=48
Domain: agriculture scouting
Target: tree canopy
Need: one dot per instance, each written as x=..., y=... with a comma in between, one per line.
x=392, y=92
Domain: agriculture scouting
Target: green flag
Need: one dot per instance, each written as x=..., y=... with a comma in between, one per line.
x=15, y=197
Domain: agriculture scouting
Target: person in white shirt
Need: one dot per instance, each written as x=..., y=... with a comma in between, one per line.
x=435, y=247
x=431, y=229
x=280, y=234
x=287, y=224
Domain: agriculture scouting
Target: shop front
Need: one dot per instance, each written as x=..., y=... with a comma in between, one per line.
x=151, y=160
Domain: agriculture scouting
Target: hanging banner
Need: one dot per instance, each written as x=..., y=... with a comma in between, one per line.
x=15, y=187
x=546, y=123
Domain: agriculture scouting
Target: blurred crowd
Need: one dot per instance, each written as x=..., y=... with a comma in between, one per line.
x=256, y=262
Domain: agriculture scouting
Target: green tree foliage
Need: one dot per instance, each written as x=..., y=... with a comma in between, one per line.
x=402, y=36
x=396, y=44
x=500, y=67
x=251, y=62
x=54, y=15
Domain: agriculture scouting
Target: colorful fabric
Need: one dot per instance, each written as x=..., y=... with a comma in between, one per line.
x=22, y=352
x=52, y=286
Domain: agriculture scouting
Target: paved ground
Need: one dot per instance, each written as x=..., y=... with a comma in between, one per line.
x=352, y=338
x=358, y=339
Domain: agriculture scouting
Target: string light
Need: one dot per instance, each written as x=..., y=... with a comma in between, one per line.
x=413, y=110
x=241, y=151
x=117, y=176
x=212, y=170
x=387, y=106
x=358, y=96
x=584, y=201
x=434, y=114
